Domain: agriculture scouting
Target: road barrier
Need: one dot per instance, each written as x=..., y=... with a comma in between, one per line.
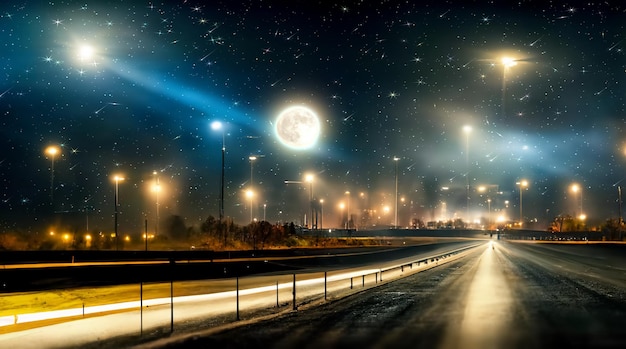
x=304, y=289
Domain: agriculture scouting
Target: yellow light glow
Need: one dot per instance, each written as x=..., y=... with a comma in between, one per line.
x=52, y=150
x=509, y=62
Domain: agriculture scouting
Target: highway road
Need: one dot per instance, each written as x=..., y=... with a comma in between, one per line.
x=509, y=295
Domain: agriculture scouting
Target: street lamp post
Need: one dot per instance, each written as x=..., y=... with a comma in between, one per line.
x=309, y=179
x=156, y=189
x=576, y=189
x=322, y=213
x=466, y=130
x=395, y=222
x=348, y=211
x=250, y=195
x=507, y=62
x=251, y=158
x=522, y=184
x=117, y=179
x=52, y=151
x=216, y=125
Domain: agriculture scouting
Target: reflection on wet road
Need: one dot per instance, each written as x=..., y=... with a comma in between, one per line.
x=487, y=306
x=514, y=295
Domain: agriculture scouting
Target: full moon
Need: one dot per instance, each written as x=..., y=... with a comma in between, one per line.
x=298, y=127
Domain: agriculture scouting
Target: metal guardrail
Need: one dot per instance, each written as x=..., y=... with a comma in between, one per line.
x=305, y=287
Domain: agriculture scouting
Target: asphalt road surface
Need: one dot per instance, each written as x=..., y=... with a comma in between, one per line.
x=511, y=295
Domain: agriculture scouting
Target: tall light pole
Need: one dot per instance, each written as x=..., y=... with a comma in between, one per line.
x=264, y=210
x=576, y=189
x=522, y=184
x=52, y=151
x=251, y=158
x=507, y=62
x=117, y=180
x=322, y=213
x=156, y=188
x=348, y=210
x=309, y=179
x=395, y=222
x=216, y=125
x=250, y=195
x=467, y=130
x=489, y=214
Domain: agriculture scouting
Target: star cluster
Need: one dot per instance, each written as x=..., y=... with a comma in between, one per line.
x=132, y=87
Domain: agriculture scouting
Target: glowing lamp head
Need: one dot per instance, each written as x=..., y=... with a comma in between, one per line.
x=508, y=62
x=52, y=150
x=216, y=125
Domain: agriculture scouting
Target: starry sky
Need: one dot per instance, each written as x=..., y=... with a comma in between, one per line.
x=131, y=88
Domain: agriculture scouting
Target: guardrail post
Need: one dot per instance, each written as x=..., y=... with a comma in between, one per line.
x=141, y=308
x=237, y=288
x=351, y=278
x=295, y=307
x=325, y=288
x=363, y=280
x=172, y=263
x=277, y=294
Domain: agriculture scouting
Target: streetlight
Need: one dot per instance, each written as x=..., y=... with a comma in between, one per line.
x=216, y=125
x=251, y=158
x=264, y=209
x=489, y=215
x=117, y=179
x=348, y=210
x=309, y=179
x=322, y=216
x=522, y=184
x=250, y=195
x=156, y=188
x=395, y=222
x=467, y=130
x=52, y=151
x=576, y=188
x=507, y=62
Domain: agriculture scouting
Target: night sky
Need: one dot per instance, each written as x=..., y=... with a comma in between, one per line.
x=132, y=87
